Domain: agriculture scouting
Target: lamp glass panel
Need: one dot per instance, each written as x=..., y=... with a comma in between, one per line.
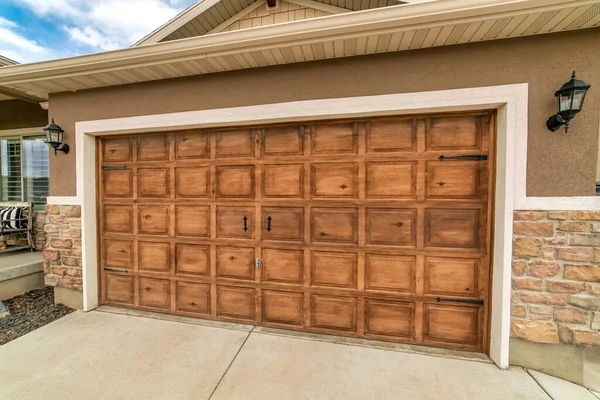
x=578, y=99
x=564, y=101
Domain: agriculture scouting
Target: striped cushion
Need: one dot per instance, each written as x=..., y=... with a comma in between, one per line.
x=10, y=217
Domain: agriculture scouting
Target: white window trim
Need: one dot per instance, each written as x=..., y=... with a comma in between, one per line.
x=511, y=102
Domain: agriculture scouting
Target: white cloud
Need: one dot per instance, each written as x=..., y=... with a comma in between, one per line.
x=14, y=45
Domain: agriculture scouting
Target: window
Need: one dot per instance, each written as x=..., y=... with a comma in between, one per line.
x=24, y=170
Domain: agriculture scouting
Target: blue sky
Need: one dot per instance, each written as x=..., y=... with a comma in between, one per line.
x=38, y=30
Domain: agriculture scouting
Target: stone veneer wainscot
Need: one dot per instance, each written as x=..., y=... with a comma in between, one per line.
x=556, y=277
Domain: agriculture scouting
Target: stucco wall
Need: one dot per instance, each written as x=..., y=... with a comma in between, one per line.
x=17, y=114
x=559, y=164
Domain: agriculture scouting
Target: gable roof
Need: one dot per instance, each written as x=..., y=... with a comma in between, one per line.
x=213, y=16
x=388, y=29
x=6, y=61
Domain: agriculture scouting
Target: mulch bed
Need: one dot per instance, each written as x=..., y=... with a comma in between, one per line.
x=30, y=311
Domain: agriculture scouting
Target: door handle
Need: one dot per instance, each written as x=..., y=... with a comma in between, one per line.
x=245, y=224
x=269, y=224
x=257, y=261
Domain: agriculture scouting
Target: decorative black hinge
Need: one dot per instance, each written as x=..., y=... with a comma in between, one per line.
x=481, y=157
x=468, y=301
x=121, y=271
x=245, y=224
x=269, y=224
x=109, y=167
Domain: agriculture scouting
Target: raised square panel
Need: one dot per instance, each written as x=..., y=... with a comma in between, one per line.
x=153, y=182
x=153, y=148
x=118, y=289
x=117, y=183
x=282, y=307
x=451, y=276
x=334, y=138
x=332, y=312
x=154, y=256
x=116, y=150
x=390, y=273
x=286, y=223
x=191, y=145
x=231, y=222
x=452, y=180
x=238, y=143
x=155, y=293
x=283, y=141
x=192, y=259
x=386, y=136
x=451, y=324
x=118, y=254
x=118, y=219
x=334, y=180
x=235, y=262
x=335, y=225
x=391, y=180
x=193, y=297
x=192, y=182
x=453, y=133
x=285, y=266
x=283, y=181
x=236, y=302
x=235, y=182
x=333, y=269
x=452, y=228
x=389, y=318
x=192, y=221
x=153, y=220
x=391, y=226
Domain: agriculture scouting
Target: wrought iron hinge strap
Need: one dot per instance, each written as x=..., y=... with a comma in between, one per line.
x=479, y=157
x=110, y=167
x=121, y=271
x=467, y=301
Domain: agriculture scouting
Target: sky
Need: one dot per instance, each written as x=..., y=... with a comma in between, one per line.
x=39, y=30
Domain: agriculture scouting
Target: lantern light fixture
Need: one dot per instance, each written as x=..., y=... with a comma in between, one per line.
x=570, y=101
x=54, y=138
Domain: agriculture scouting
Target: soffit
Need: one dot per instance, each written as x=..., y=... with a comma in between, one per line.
x=389, y=29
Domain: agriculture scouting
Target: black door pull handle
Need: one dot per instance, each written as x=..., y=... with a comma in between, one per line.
x=245, y=224
x=269, y=224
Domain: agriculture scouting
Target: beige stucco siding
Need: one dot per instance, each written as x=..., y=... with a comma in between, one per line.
x=559, y=164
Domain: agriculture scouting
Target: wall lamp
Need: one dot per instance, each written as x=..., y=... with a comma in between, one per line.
x=54, y=138
x=570, y=101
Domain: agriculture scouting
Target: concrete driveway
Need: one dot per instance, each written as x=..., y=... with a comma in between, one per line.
x=100, y=355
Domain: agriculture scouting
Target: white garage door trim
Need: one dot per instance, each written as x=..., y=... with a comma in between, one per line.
x=511, y=101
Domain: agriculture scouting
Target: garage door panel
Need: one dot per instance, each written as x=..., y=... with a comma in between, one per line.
x=390, y=318
x=235, y=222
x=391, y=180
x=451, y=227
x=389, y=226
x=451, y=276
x=153, y=220
x=236, y=302
x=116, y=150
x=451, y=324
x=234, y=144
x=281, y=265
x=192, y=259
x=153, y=148
x=193, y=297
x=153, y=256
x=118, y=219
x=390, y=273
x=155, y=293
x=283, y=141
x=334, y=269
x=118, y=289
x=453, y=133
x=284, y=181
x=453, y=180
x=283, y=223
x=334, y=180
x=235, y=182
x=153, y=183
x=118, y=254
x=334, y=225
x=117, y=183
x=236, y=262
x=334, y=138
x=392, y=136
x=333, y=312
x=281, y=307
x=192, y=146
x=192, y=221
x=192, y=182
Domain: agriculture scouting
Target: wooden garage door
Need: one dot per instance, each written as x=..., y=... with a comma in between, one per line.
x=368, y=228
